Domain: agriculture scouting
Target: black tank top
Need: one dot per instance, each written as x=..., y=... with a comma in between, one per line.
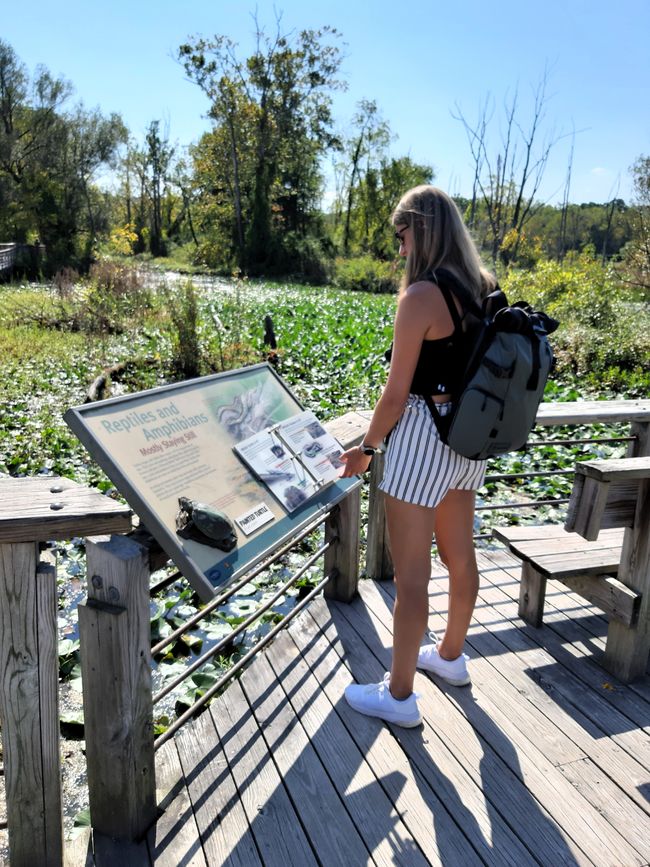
x=441, y=362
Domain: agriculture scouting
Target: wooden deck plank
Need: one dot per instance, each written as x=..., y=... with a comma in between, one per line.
x=110, y=852
x=326, y=822
x=372, y=812
x=79, y=851
x=604, y=560
x=571, y=645
x=468, y=776
x=574, y=646
x=174, y=839
x=537, y=762
x=605, y=795
x=549, y=532
x=274, y=823
x=535, y=682
x=48, y=507
x=522, y=750
x=562, y=598
x=506, y=685
x=421, y=810
x=512, y=787
x=220, y=818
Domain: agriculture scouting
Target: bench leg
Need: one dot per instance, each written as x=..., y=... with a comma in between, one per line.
x=626, y=651
x=531, y=594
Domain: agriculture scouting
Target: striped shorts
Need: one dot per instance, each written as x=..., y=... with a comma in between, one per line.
x=419, y=468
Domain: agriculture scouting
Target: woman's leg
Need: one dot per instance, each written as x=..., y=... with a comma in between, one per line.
x=454, y=528
x=410, y=529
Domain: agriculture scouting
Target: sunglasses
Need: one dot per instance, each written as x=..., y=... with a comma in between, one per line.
x=399, y=236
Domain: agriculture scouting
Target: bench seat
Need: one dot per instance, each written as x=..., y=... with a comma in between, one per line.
x=588, y=568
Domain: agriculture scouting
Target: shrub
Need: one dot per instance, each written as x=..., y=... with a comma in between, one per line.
x=603, y=330
x=366, y=274
x=64, y=282
x=115, y=296
x=184, y=313
x=122, y=240
x=303, y=257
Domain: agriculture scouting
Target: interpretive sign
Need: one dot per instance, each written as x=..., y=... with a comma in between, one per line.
x=181, y=440
x=293, y=458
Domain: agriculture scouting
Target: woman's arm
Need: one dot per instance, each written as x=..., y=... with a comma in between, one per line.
x=416, y=313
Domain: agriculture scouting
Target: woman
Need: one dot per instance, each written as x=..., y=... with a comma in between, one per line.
x=429, y=489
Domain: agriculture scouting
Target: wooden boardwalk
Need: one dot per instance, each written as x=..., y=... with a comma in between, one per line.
x=543, y=760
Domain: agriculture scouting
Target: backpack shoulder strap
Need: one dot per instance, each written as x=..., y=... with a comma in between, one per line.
x=451, y=304
x=447, y=281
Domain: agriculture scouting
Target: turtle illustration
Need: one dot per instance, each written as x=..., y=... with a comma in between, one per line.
x=205, y=524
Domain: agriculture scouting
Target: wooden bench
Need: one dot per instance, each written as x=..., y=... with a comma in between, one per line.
x=587, y=568
x=606, y=560
x=616, y=493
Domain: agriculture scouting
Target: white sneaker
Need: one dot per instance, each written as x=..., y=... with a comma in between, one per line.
x=454, y=671
x=375, y=699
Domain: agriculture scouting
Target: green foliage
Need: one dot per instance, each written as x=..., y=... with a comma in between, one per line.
x=636, y=256
x=115, y=296
x=48, y=160
x=43, y=372
x=366, y=274
x=182, y=305
x=364, y=207
x=304, y=257
x=330, y=350
x=603, y=330
x=111, y=300
x=258, y=170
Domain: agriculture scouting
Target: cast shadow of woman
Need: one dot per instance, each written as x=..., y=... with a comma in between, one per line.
x=512, y=810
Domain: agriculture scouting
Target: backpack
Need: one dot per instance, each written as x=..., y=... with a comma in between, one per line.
x=509, y=359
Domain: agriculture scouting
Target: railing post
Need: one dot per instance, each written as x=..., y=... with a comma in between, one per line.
x=114, y=629
x=641, y=447
x=627, y=647
x=342, y=558
x=379, y=564
x=29, y=705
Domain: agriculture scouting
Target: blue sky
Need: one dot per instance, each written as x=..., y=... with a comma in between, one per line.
x=417, y=60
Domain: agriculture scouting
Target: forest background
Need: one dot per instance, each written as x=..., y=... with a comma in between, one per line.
x=278, y=185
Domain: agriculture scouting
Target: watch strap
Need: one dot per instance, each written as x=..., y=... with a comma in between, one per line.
x=370, y=450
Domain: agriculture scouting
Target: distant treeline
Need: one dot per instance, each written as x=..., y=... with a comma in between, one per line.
x=248, y=196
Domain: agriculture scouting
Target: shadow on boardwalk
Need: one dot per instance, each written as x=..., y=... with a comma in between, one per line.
x=543, y=760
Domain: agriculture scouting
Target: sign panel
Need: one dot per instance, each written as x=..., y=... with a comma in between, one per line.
x=178, y=441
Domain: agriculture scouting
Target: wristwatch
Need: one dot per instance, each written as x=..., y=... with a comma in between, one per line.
x=370, y=450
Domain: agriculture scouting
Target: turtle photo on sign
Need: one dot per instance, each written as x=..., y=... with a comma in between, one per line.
x=205, y=524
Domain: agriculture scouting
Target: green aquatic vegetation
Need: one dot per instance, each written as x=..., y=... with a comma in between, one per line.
x=330, y=351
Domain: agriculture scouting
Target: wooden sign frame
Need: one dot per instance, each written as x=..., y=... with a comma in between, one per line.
x=178, y=440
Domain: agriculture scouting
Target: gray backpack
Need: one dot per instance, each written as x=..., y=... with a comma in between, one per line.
x=509, y=359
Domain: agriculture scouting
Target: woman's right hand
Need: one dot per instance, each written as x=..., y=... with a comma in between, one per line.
x=356, y=462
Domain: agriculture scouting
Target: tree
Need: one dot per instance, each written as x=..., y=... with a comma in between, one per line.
x=637, y=252
x=376, y=195
x=158, y=157
x=181, y=179
x=507, y=179
x=368, y=142
x=272, y=124
x=48, y=161
x=92, y=142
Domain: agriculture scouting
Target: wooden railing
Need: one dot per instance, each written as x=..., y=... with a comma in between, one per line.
x=115, y=639
x=10, y=254
x=7, y=257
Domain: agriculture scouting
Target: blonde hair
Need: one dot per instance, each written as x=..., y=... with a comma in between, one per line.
x=439, y=239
